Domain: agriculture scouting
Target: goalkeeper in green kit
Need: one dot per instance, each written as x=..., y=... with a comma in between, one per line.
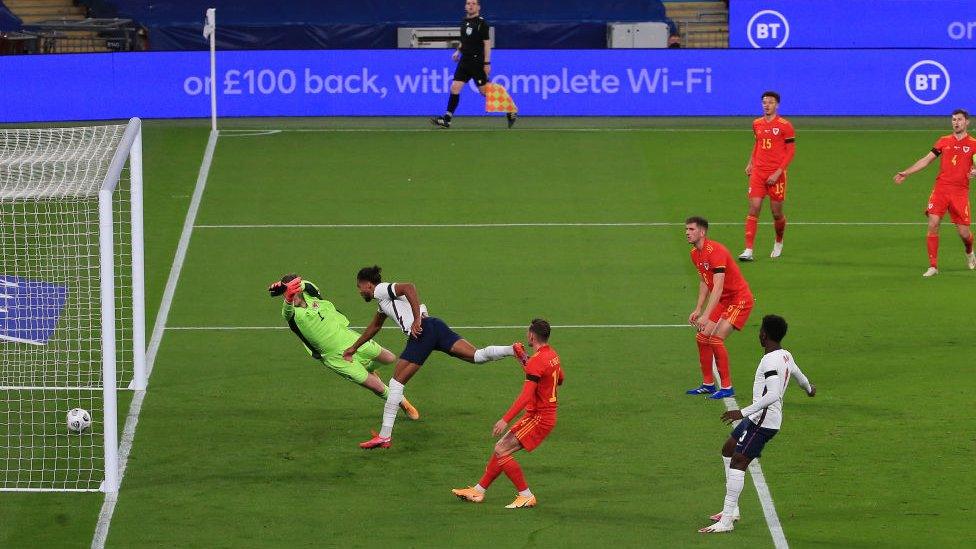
x=325, y=333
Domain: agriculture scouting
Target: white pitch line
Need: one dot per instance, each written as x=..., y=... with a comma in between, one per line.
x=132, y=419
x=765, y=498
x=517, y=225
x=494, y=327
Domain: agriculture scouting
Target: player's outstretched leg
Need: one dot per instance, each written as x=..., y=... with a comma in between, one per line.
x=464, y=350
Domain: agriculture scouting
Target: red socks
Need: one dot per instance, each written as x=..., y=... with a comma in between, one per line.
x=705, y=356
x=511, y=468
x=514, y=473
x=969, y=244
x=752, y=223
x=780, y=225
x=491, y=471
x=721, y=361
x=709, y=348
x=932, y=241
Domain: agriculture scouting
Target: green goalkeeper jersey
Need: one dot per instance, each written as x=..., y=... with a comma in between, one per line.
x=323, y=330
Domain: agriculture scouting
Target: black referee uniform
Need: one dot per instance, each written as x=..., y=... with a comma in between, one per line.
x=474, y=32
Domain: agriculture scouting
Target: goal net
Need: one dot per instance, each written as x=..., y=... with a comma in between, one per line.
x=71, y=301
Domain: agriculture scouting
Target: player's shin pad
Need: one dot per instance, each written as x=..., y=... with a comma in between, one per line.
x=498, y=100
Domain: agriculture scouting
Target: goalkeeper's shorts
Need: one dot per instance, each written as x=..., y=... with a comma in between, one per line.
x=363, y=362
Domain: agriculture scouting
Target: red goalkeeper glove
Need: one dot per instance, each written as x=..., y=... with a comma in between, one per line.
x=293, y=287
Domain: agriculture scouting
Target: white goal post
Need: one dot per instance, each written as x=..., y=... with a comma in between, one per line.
x=72, y=290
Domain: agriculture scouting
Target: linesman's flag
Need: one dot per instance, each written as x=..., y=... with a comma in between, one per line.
x=498, y=100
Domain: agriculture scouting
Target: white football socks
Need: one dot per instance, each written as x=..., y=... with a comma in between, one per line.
x=391, y=407
x=525, y=493
x=493, y=352
x=733, y=487
x=479, y=488
x=728, y=462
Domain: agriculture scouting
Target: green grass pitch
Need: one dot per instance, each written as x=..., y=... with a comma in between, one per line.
x=244, y=441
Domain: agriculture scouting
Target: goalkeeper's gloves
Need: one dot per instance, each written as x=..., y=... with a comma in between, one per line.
x=276, y=288
x=293, y=287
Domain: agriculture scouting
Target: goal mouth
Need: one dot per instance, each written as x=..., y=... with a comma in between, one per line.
x=72, y=324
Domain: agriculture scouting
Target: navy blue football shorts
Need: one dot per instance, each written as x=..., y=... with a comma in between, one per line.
x=436, y=336
x=750, y=439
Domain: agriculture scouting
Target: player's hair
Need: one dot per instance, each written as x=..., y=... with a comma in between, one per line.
x=775, y=327
x=697, y=220
x=541, y=328
x=770, y=93
x=288, y=278
x=370, y=274
x=963, y=112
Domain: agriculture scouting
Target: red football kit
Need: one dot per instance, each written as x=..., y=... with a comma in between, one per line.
x=773, y=150
x=951, y=191
x=736, y=301
x=543, y=376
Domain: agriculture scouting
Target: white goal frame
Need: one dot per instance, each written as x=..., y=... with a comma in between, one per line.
x=128, y=151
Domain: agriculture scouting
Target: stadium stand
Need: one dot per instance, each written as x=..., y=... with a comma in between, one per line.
x=701, y=24
x=365, y=24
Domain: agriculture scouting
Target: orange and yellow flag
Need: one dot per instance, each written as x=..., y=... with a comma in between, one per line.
x=498, y=100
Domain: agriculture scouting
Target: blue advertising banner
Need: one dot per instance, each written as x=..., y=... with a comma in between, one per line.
x=542, y=83
x=852, y=24
x=29, y=309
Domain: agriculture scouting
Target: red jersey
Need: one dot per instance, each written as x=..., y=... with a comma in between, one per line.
x=544, y=369
x=957, y=160
x=715, y=258
x=770, y=152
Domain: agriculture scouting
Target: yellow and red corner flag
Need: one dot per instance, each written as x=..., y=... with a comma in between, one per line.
x=498, y=100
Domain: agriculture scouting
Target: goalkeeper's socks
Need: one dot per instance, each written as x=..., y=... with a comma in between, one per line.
x=391, y=407
x=493, y=352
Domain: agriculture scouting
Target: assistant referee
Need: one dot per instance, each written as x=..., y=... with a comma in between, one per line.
x=473, y=57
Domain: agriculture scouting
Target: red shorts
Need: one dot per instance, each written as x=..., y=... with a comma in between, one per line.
x=735, y=309
x=957, y=204
x=758, y=187
x=532, y=429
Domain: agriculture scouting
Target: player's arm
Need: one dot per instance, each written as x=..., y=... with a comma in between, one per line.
x=528, y=388
x=370, y=331
x=409, y=291
x=702, y=296
x=718, y=283
x=789, y=149
x=486, y=37
x=917, y=166
x=774, y=390
x=803, y=382
x=755, y=150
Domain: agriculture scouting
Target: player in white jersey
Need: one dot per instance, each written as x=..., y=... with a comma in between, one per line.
x=425, y=334
x=760, y=421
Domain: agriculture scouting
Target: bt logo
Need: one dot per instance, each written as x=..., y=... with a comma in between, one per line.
x=768, y=29
x=927, y=82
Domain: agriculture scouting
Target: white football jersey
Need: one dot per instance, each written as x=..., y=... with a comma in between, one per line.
x=396, y=307
x=772, y=377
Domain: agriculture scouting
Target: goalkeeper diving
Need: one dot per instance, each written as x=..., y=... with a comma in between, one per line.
x=325, y=334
